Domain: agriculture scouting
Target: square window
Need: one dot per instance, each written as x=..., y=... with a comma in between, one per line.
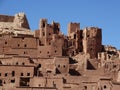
x=6, y=74
x=28, y=74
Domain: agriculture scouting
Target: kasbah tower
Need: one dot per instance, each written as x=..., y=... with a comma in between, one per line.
x=46, y=59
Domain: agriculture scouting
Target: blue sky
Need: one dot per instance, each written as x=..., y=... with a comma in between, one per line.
x=100, y=13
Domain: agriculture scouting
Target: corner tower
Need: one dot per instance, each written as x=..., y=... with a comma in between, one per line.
x=92, y=41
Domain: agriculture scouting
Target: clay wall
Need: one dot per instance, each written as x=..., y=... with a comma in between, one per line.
x=47, y=66
x=62, y=65
x=55, y=82
x=73, y=27
x=92, y=41
x=6, y=18
x=19, y=71
x=16, y=60
x=49, y=51
x=10, y=74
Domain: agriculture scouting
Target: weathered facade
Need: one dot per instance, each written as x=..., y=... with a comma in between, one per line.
x=46, y=59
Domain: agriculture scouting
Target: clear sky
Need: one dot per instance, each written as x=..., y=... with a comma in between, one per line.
x=100, y=13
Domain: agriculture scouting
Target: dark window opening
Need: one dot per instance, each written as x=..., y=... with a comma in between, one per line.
x=48, y=52
x=24, y=53
x=55, y=51
x=1, y=83
x=43, y=25
x=49, y=43
x=74, y=36
x=25, y=45
x=12, y=81
x=88, y=35
x=40, y=51
x=18, y=45
x=58, y=65
x=85, y=87
x=23, y=63
x=91, y=49
x=64, y=66
x=21, y=74
x=105, y=86
x=39, y=66
x=0, y=74
x=16, y=63
x=13, y=73
x=22, y=38
x=4, y=82
x=49, y=56
x=48, y=71
x=49, y=33
x=28, y=74
x=6, y=74
x=5, y=42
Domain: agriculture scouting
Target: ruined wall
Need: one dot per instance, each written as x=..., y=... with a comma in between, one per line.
x=74, y=39
x=73, y=27
x=17, y=21
x=92, y=41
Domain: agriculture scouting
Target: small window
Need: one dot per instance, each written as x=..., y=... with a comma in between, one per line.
x=64, y=66
x=43, y=25
x=23, y=63
x=49, y=33
x=85, y=87
x=5, y=42
x=25, y=45
x=1, y=82
x=13, y=73
x=48, y=52
x=24, y=53
x=16, y=63
x=74, y=36
x=22, y=38
x=12, y=81
x=105, y=86
x=18, y=45
x=40, y=51
x=0, y=74
x=21, y=74
x=55, y=51
x=28, y=74
x=91, y=49
x=58, y=65
x=6, y=74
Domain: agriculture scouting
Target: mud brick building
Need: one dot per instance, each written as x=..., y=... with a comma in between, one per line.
x=47, y=59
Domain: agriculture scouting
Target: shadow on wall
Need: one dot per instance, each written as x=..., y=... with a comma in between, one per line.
x=73, y=72
x=90, y=66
